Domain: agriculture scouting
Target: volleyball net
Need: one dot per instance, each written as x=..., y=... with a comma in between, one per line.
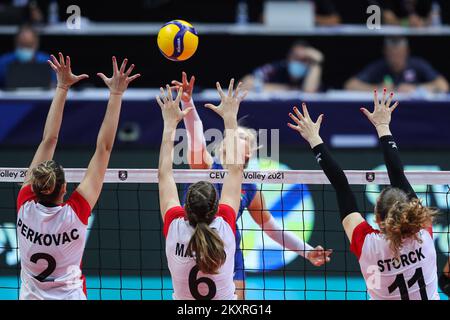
x=125, y=250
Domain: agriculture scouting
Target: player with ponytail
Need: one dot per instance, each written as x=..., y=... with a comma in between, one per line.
x=398, y=261
x=52, y=232
x=200, y=237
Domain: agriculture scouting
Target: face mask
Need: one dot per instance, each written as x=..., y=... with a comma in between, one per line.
x=296, y=69
x=24, y=54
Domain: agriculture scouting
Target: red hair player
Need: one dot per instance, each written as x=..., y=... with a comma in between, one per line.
x=399, y=260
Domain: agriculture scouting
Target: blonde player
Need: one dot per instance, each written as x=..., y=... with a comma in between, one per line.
x=51, y=232
x=251, y=198
x=399, y=260
x=200, y=238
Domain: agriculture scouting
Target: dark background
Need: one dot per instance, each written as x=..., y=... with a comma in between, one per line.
x=220, y=57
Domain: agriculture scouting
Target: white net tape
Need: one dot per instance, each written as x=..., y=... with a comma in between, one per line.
x=355, y=177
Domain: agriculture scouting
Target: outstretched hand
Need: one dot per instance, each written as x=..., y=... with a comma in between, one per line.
x=304, y=125
x=188, y=87
x=319, y=256
x=63, y=70
x=381, y=115
x=171, y=112
x=120, y=79
x=229, y=104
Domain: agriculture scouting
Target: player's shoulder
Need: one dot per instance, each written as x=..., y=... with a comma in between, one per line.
x=78, y=206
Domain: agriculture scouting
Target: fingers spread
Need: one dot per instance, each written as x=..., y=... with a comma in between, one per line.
x=82, y=77
x=238, y=88
x=102, y=76
x=158, y=99
x=163, y=95
x=55, y=61
x=114, y=63
x=219, y=89
x=230, y=87
x=389, y=100
x=52, y=65
x=124, y=64
x=305, y=111
x=296, y=120
x=130, y=69
x=366, y=112
x=211, y=106
x=180, y=93
x=375, y=98
x=319, y=122
x=299, y=115
x=130, y=79
x=169, y=93
x=244, y=94
x=296, y=128
x=394, y=106
x=61, y=59
x=191, y=82
x=383, y=99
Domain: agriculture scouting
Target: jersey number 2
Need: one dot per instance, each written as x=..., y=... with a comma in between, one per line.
x=194, y=283
x=400, y=283
x=51, y=265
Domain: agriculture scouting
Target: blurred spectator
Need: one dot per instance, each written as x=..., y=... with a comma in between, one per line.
x=398, y=71
x=414, y=13
x=326, y=13
x=26, y=51
x=302, y=70
x=30, y=10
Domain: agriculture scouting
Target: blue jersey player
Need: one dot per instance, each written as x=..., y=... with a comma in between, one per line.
x=252, y=199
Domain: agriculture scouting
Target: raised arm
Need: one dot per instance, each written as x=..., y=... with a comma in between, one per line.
x=172, y=115
x=234, y=158
x=198, y=155
x=65, y=79
x=309, y=130
x=91, y=185
x=381, y=119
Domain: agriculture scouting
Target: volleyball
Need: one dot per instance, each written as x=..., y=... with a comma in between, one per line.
x=177, y=40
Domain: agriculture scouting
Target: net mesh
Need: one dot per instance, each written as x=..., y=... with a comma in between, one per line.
x=125, y=251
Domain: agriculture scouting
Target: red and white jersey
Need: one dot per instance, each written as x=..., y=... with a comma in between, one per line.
x=188, y=282
x=411, y=276
x=51, y=246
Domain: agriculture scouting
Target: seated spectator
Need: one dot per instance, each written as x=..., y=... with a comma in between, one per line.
x=302, y=70
x=26, y=50
x=413, y=13
x=398, y=71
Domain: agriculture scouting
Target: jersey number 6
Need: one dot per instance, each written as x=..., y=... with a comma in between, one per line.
x=194, y=283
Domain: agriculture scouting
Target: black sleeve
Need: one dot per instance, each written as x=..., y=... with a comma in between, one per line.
x=394, y=166
x=345, y=197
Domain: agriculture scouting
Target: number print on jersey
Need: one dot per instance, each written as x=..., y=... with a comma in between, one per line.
x=400, y=283
x=194, y=283
x=50, y=267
